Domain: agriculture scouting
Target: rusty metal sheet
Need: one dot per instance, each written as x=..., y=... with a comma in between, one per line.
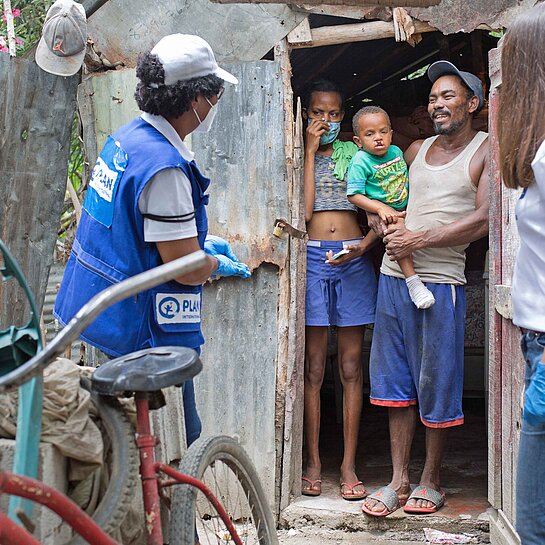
x=236, y=390
x=36, y=122
x=244, y=156
x=462, y=16
x=124, y=28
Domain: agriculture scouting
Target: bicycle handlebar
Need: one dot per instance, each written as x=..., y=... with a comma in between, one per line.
x=100, y=302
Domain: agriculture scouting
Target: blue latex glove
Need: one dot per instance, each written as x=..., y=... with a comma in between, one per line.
x=534, y=400
x=214, y=245
x=228, y=267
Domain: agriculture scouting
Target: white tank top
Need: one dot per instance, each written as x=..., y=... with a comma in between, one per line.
x=439, y=195
x=528, y=291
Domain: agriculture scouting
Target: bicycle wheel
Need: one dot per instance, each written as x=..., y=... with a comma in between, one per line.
x=123, y=458
x=220, y=463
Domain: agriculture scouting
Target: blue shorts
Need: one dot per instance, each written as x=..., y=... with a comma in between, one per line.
x=417, y=356
x=341, y=296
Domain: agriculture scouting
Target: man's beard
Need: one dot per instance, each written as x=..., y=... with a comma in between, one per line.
x=450, y=130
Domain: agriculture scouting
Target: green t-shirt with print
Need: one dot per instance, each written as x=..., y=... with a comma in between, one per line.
x=385, y=178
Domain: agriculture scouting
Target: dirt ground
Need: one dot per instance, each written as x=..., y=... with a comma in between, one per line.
x=317, y=536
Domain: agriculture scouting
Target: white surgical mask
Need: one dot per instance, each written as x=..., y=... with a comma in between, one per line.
x=206, y=123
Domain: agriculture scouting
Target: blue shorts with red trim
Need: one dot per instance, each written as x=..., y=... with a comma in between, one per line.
x=417, y=356
x=339, y=296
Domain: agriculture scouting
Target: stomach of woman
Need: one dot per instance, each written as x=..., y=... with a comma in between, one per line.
x=334, y=225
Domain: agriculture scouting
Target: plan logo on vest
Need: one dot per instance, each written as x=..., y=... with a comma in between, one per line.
x=178, y=308
x=103, y=180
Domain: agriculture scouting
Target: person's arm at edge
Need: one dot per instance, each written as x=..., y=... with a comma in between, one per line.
x=463, y=231
x=169, y=250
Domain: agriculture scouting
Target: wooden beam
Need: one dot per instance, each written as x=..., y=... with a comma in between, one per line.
x=389, y=3
x=360, y=32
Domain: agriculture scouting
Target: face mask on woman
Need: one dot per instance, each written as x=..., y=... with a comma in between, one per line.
x=206, y=123
x=331, y=134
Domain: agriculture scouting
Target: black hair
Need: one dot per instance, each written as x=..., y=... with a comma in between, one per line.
x=154, y=97
x=366, y=110
x=322, y=86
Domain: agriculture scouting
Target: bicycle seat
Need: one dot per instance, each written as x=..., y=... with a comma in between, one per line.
x=147, y=370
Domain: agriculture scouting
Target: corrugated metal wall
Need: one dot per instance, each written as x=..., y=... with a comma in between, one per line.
x=244, y=156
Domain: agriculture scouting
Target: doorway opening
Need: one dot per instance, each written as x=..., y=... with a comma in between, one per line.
x=393, y=75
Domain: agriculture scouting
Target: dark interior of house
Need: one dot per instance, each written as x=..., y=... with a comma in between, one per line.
x=393, y=75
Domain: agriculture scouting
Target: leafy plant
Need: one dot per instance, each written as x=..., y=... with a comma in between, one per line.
x=29, y=17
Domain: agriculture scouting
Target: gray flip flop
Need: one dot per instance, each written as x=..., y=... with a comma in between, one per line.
x=388, y=497
x=437, y=497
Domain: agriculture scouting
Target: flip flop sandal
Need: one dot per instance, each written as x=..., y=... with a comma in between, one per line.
x=388, y=497
x=351, y=496
x=310, y=491
x=437, y=497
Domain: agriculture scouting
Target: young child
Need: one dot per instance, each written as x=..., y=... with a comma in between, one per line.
x=378, y=182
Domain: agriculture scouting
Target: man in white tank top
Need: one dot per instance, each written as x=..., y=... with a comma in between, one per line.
x=417, y=355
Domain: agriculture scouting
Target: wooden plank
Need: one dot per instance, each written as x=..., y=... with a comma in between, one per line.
x=502, y=531
x=495, y=319
x=359, y=32
x=293, y=426
x=36, y=125
x=289, y=429
x=281, y=55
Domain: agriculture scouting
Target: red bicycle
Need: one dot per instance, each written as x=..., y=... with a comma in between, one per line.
x=232, y=506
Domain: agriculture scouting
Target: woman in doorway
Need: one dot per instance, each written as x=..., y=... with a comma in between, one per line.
x=521, y=131
x=340, y=292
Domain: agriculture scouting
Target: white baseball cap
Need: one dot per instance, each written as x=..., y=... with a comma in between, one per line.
x=61, y=49
x=185, y=56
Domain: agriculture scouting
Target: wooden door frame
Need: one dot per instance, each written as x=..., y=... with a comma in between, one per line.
x=504, y=397
x=291, y=307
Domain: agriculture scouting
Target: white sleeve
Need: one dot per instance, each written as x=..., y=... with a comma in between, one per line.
x=168, y=193
x=538, y=166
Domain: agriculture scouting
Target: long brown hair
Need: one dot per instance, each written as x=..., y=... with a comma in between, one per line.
x=521, y=119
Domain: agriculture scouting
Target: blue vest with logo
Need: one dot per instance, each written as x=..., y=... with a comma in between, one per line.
x=109, y=247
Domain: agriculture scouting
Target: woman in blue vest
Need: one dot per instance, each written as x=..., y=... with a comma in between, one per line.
x=145, y=205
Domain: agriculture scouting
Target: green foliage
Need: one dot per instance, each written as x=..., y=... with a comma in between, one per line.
x=28, y=25
x=417, y=73
x=497, y=33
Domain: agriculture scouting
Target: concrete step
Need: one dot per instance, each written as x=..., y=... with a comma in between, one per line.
x=334, y=513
